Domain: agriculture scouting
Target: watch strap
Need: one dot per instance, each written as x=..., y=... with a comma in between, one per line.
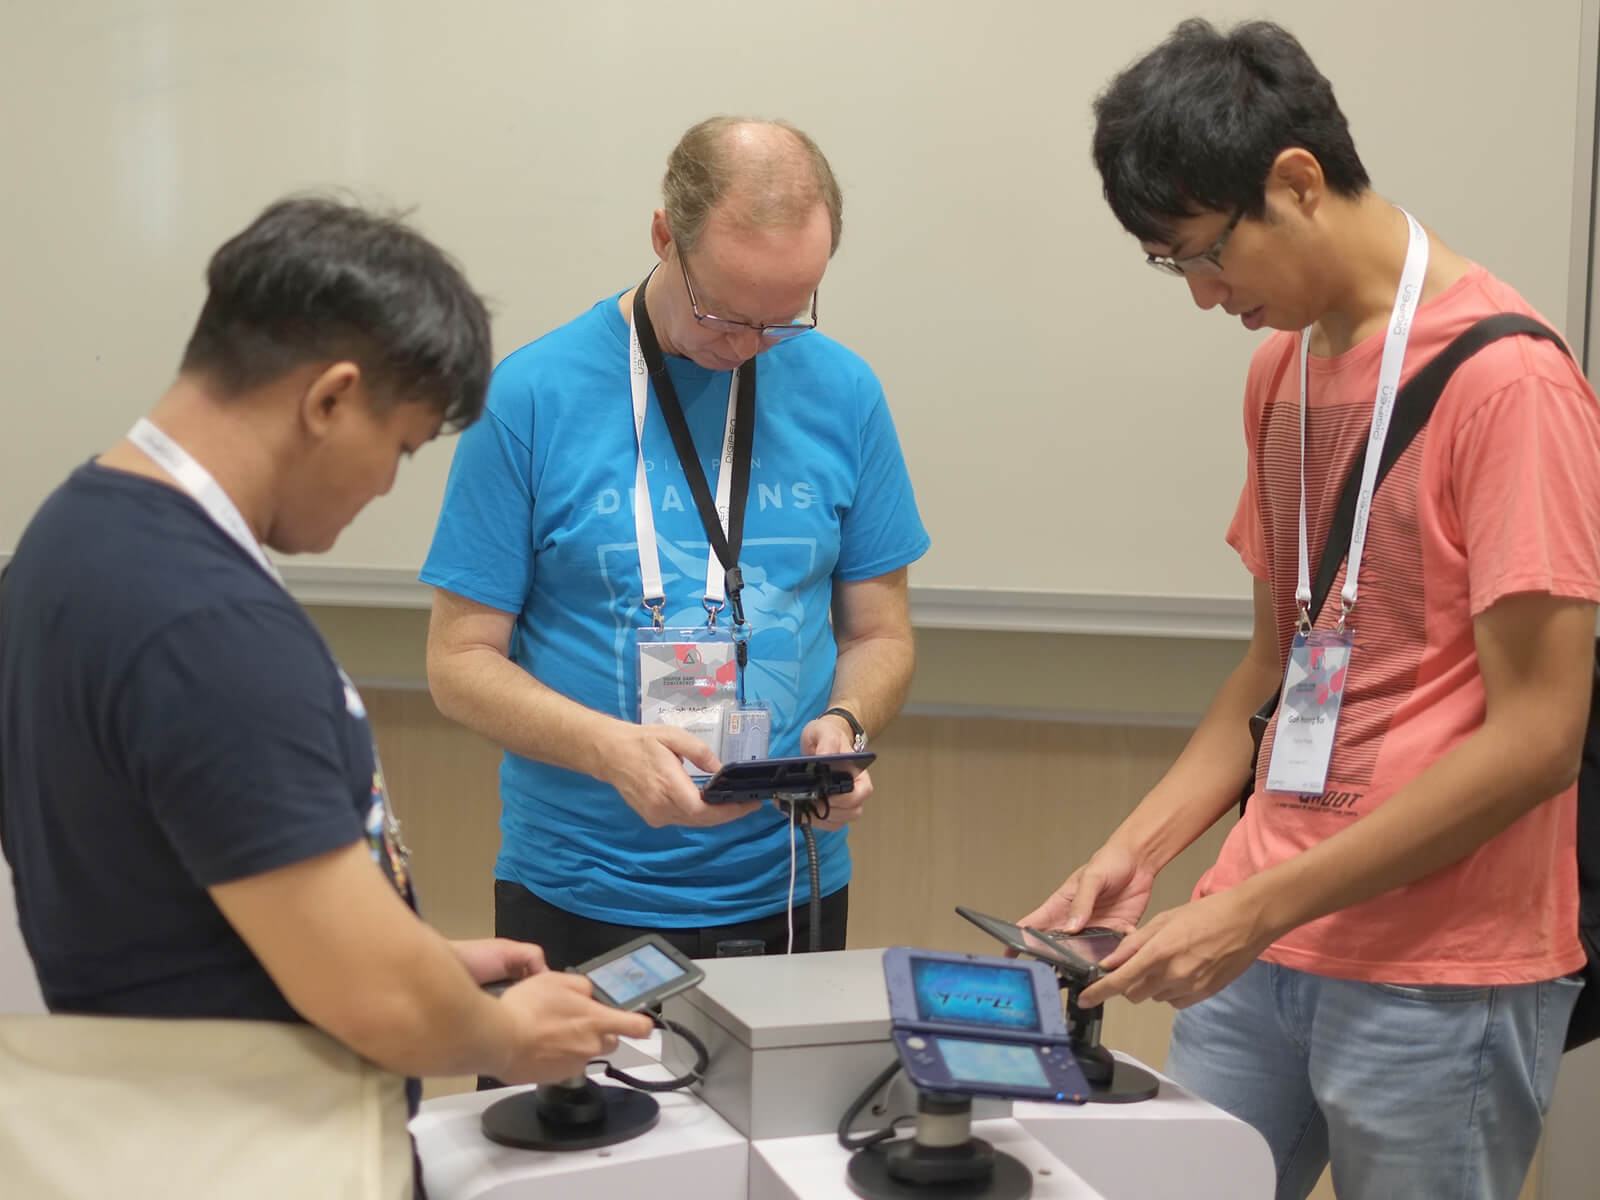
x=850, y=719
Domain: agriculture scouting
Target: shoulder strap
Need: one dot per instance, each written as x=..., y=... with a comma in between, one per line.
x=1412, y=408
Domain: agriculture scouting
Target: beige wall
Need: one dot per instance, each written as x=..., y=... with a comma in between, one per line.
x=1141, y=680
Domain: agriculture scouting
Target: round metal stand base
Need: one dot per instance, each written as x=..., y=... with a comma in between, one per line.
x=1127, y=1084
x=516, y=1121
x=869, y=1177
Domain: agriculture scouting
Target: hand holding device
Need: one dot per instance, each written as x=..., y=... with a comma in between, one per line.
x=1185, y=954
x=645, y=765
x=834, y=733
x=559, y=1027
x=494, y=959
x=980, y=1025
x=1111, y=889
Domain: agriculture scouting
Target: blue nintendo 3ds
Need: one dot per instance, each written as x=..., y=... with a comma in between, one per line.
x=981, y=1025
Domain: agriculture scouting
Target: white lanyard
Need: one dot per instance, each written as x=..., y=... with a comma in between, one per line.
x=206, y=491
x=1394, y=353
x=224, y=513
x=644, y=522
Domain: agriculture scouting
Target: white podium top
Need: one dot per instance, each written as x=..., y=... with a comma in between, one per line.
x=691, y=1152
x=1174, y=1146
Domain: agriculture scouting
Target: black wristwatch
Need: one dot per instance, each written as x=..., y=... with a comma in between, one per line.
x=860, y=743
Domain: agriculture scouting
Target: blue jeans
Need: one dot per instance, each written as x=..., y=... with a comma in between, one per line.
x=1412, y=1093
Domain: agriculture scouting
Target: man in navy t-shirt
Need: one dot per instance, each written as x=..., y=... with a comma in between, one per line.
x=190, y=799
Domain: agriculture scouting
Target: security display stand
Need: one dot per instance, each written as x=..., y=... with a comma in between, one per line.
x=574, y=1114
x=1111, y=1081
x=942, y=1159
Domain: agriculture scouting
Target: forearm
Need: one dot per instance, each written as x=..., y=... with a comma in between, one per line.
x=494, y=697
x=872, y=677
x=356, y=962
x=1204, y=781
x=1449, y=810
x=436, y=1022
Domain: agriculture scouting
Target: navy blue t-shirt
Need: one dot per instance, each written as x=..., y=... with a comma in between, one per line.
x=170, y=719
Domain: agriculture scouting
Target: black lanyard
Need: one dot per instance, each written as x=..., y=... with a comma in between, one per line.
x=725, y=546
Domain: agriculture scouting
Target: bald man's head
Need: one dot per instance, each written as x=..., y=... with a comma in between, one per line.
x=762, y=174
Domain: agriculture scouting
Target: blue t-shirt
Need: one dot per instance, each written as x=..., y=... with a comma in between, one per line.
x=538, y=521
x=170, y=720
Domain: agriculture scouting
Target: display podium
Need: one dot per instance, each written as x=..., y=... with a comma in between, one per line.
x=821, y=1009
x=691, y=1152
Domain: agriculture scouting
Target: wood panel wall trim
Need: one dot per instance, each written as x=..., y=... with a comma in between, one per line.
x=1018, y=611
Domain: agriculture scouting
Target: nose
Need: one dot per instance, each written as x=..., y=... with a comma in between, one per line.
x=746, y=343
x=1208, y=291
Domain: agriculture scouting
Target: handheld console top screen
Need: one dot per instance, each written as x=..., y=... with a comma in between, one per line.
x=980, y=995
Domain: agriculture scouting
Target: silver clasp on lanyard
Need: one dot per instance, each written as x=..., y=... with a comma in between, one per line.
x=712, y=607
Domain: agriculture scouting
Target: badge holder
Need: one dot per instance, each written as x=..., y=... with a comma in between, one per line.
x=1308, y=710
x=688, y=678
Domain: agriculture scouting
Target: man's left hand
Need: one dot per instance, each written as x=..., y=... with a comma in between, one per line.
x=489, y=960
x=1185, y=954
x=831, y=735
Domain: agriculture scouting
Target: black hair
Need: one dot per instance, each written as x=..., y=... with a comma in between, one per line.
x=1195, y=126
x=314, y=279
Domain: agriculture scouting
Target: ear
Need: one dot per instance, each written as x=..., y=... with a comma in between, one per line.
x=1296, y=178
x=333, y=388
x=660, y=235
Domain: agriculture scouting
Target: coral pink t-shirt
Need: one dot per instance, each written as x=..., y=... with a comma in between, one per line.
x=1498, y=494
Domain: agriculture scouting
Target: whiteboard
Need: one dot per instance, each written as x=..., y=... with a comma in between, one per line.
x=1073, y=425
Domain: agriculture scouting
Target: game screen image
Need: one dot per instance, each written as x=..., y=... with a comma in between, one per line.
x=634, y=974
x=991, y=1062
x=976, y=994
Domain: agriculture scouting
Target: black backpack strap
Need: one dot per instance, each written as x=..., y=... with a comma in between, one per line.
x=1412, y=408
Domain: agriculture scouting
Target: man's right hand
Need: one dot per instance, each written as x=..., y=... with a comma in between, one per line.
x=643, y=764
x=560, y=1027
x=1111, y=889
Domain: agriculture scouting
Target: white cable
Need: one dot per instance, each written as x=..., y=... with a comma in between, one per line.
x=790, y=950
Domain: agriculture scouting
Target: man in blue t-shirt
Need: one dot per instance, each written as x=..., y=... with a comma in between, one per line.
x=571, y=520
x=190, y=798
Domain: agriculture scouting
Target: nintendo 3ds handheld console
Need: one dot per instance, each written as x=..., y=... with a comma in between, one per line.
x=640, y=974
x=804, y=777
x=1075, y=955
x=980, y=1025
x=636, y=975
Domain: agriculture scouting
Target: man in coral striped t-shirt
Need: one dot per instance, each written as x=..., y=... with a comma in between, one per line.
x=1377, y=971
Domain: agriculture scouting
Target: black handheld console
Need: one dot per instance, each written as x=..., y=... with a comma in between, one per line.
x=805, y=777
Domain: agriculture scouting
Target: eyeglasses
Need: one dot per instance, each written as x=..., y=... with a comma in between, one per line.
x=773, y=333
x=1207, y=262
